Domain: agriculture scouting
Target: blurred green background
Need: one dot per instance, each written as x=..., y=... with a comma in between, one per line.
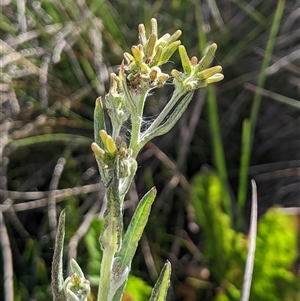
x=56, y=57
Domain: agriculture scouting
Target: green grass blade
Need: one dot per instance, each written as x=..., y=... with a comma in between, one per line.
x=266, y=63
x=250, y=11
x=218, y=146
x=275, y=96
x=243, y=174
x=257, y=98
x=213, y=116
x=50, y=138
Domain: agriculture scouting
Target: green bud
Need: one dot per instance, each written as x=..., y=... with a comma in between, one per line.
x=163, y=40
x=128, y=57
x=205, y=74
x=168, y=52
x=137, y=53
x=99, y=152
x=153, y=26
x=151, y=45
x=215, y=78
x=208, y=57
x=145, y=68
x=174, y=37
x=176, y=74
x=185, y=61
x=157, y=56
x=142, y=34
x=108, y=142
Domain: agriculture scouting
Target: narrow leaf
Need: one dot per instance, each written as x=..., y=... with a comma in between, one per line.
x=160, y=289
x=76, y=268
x=136, y=228
x=57, y=264
x=243, y=173
x=99, y=121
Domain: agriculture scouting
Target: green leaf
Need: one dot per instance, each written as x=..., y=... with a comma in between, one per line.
x=160, y=289
x=136, y=228
x=99, y=122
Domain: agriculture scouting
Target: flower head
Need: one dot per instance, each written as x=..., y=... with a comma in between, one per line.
x=142, y=66
x=76, y=287
x=196, y=74
x=107, y=157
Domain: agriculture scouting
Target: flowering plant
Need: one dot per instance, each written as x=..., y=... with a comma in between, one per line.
x=139, y=73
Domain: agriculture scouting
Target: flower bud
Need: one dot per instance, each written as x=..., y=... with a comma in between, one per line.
x=205, y=74
x=137, y=53
x=153, y=26
x=99, y=152
x=108, y=142
x=168, y=52
x=151, y=45
x=142, y=34
x=174, y=37
x=208, y=57
x=157, y=56
x=185, y=61
x=215, y=78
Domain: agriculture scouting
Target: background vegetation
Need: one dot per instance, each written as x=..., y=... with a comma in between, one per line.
x=55, y=60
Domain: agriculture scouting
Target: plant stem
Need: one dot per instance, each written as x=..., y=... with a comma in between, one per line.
x=108, y=242
x=106, y=265
x=163, y=114
x=110, y=237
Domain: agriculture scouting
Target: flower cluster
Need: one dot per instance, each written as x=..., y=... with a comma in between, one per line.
x=76, y=287
x=114, y=100
x=197, y=74
x=142, y=67
x=115, y=151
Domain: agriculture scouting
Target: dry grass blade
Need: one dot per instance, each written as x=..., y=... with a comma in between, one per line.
x=7, y=261
x=252, y=244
